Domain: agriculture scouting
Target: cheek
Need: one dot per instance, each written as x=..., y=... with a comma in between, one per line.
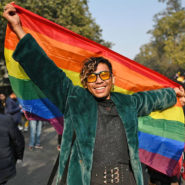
x=110, y=84
x=89, y=87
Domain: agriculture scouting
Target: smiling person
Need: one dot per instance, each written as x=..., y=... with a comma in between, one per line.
x=100, y=141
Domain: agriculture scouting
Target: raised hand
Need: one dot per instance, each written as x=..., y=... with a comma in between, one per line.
x=13, y=18
x=181, y=94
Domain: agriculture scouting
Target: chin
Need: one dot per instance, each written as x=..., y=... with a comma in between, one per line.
x=102, y=97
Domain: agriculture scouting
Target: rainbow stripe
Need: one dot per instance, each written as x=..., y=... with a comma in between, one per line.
x=161, y=134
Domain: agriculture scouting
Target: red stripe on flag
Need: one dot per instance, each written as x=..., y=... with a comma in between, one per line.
x=63, y=35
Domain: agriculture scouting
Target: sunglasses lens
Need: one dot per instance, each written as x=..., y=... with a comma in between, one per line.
x=105, y=75
x=91, y=78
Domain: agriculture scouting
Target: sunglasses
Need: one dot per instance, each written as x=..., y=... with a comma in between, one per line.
x=104, y=75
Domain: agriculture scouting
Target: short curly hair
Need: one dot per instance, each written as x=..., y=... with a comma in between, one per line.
x=90, y=65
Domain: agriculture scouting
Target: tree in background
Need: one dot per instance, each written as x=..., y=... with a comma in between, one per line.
x=72, y=14
x=166, y=52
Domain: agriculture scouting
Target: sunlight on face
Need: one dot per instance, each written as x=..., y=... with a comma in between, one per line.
x=100, y=88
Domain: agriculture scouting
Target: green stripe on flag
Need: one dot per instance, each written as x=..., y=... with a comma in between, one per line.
x=25, y=89
x=164, y=128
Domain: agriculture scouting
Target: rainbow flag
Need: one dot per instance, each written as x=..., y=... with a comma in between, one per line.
x=161, y=134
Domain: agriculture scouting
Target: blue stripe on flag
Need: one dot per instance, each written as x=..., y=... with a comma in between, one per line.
x=156, y=144
x=41, y=107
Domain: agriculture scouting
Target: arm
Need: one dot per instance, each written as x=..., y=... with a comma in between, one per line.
x=42, y=71
x=52, y=81
x=148, y=101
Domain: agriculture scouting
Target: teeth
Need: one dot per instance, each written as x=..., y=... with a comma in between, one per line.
x=100, y=88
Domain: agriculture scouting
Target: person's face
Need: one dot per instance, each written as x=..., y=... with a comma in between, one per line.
x=2, y=97
x=101, y=88
x=13, y=96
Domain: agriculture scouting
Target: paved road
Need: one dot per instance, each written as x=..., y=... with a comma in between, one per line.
x=37, y=165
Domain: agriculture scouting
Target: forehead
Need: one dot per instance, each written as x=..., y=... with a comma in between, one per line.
x=101, y=67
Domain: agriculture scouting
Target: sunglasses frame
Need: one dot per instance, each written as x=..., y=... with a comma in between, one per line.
x=98, y=74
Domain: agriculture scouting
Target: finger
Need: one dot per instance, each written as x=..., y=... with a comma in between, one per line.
x=181, y=88
x=182, y=101
x=9, y=8
x=181, y=91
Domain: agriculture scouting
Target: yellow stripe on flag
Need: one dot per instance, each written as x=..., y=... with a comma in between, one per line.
x=174, y=114
x=13, y=67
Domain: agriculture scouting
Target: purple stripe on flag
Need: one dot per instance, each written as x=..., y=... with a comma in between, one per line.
x=58, y=123
x=158, y=162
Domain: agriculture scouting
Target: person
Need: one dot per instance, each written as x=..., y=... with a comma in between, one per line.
x=12, y=107
x=11, y=147
x=24, y=121
x=35, y=134
x=99, y=142
x=59, y=138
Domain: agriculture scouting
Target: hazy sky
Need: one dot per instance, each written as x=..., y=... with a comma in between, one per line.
x=126, y=22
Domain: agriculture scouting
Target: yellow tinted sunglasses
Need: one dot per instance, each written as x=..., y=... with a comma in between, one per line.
x=104, y=75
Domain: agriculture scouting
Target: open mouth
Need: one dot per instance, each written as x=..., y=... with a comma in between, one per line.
x=99, y=88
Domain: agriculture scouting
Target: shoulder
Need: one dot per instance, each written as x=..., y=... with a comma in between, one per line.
x=121, y=97
x=118, y=94
x=79, y=92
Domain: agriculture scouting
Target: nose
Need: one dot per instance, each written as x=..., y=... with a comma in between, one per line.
x=99, y=80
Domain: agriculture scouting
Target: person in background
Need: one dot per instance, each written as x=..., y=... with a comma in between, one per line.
x=59, y=138
x=24, y=122
x=2, y=99
x=13, y=108
x=26, y=125
x=35, y=134
x=177, y=75
x=11, y=147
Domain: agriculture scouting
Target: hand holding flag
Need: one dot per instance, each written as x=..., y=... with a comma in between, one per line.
x=181, y=94
x=14, y=20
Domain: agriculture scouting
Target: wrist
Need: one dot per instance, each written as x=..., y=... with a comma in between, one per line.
x=19, y=31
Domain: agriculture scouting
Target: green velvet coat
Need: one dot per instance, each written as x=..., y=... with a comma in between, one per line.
x=80, y=112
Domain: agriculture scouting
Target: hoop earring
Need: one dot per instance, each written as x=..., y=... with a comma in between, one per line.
x=112, y=88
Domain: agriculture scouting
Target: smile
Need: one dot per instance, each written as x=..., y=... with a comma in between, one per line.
x=99, y=88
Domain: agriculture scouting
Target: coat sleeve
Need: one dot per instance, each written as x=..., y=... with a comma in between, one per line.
x=148, y=101
x=42, y=71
